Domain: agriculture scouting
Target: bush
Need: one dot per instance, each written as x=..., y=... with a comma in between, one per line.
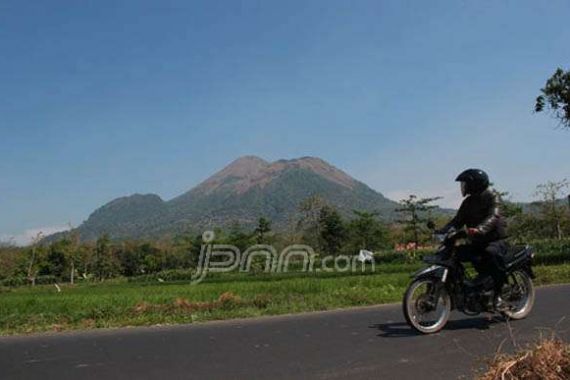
x=551, y=252
x=165, y=275
x=401, y=257
x=14, y=281
x=21, y=281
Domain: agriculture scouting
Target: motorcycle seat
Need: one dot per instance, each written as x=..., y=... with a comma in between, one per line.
x=515, y=252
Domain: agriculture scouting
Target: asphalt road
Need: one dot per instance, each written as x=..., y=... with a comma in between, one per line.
x=371, y=342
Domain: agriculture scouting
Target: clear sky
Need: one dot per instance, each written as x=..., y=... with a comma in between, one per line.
x=100, y=99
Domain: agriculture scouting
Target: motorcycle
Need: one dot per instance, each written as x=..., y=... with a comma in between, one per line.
x=443, y=286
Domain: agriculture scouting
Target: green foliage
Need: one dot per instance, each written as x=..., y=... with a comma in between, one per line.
x=310, y=212
x=262, y=229
x=103, y=265
x=10, y=258
x=551, y=252
x=365, y=231
x=56, y=261
x=553, y=213
x=417, y=213
x=333, y=231
x=21, y=281
x=548, y=218
x=169, y=275
x=556, y=97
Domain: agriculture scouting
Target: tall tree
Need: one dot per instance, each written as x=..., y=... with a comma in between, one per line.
x=72, y=251
x=553, y=209
x=556, y=97
x=56, y=260
x=310, y=210
x=103, y=265
x=8, y=243
x=32, y=270
x=332, y=230
x=262, y=229
x=416, y=211
x=130, y=258
x=241, y=238
x=366, y=231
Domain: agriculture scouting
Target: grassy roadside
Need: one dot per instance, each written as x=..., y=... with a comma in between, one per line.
x=121, y=303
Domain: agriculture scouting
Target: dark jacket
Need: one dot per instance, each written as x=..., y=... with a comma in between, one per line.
x=481, y=211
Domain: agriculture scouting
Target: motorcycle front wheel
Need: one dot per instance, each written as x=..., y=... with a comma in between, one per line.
x=422, y=313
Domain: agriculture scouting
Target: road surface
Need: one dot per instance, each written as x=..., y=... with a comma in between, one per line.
x=371, y=342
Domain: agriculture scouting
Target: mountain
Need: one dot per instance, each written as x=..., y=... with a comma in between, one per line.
x=245, y=190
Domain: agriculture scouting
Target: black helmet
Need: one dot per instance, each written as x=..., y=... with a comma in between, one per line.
x=476, y=180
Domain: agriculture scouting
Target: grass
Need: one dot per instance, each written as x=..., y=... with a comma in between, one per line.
x=120, y=303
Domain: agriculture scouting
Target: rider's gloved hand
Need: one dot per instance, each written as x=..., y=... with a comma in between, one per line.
x=473, y=232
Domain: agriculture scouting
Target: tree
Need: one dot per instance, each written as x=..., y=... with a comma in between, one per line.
x=332, y=230
x=553, y=210
x=32, y=271
x=153, y=258
x=527, y=226
x=72, y=252
x=366, y=231
x=262, y=229
x=9, y=243
x=9, y=260
x=130, y=259
x=415, y=209
x=56, y=260
x=103, y=264
x=187, y=248
x=310, y=210
x=239, y=237
x=556, y=97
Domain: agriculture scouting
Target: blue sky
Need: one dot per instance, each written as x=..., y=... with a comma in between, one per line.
x=107, y=98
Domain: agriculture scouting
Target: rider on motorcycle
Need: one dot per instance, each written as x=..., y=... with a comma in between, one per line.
x=480, y=214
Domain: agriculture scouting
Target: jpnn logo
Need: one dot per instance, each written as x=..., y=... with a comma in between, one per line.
x=222, y=258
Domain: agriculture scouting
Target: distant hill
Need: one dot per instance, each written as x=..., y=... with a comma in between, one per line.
x=245, y=190
x=535, y=206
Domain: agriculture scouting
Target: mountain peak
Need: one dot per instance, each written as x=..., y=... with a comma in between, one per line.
x=324, y=169
x=241, y=172
x=244, y=164
x=249, y=171
x=241, y=192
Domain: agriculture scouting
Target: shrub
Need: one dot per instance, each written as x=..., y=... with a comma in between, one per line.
x=165, y=275
x=550, y=252
x=21, y=281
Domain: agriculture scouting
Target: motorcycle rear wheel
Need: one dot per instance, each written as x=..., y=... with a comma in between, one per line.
x=522, y=306
x=418, y=308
